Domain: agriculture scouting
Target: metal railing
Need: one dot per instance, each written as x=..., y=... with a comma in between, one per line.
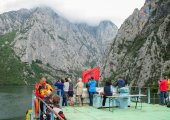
x=52, y=113
x=152, y=97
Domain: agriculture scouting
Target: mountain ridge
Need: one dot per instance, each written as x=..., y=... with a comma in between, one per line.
x=43, y=38
x=138, y=50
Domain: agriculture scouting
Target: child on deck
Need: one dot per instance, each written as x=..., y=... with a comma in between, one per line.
x=56, y=107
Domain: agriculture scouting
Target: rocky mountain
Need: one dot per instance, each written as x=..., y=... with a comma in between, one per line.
x=140, y=50
x=46, y=43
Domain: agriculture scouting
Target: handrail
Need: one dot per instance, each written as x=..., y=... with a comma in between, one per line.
x=51, y=109
x=139, y=87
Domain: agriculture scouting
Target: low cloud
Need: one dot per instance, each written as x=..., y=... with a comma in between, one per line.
x=90, y=11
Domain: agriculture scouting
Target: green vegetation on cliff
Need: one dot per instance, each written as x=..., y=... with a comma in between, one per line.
x=15, y=72
x=11, y=68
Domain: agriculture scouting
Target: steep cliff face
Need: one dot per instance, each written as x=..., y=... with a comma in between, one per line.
x=64, y=45
x=13, y=20
x=49, y=40
x=140, y=50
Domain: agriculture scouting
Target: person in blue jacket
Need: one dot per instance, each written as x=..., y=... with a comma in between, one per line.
x=92, y=89
x=60, y=85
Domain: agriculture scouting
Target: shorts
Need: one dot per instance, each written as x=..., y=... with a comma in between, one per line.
x=70, y=93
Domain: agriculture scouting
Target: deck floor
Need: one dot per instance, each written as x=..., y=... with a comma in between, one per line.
x=148, y=112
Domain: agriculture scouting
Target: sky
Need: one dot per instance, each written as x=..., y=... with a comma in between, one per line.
x=88, y=11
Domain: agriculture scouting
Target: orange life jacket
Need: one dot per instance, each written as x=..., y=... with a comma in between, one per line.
x=40, y=90
x=168, y=84
x=49, y=87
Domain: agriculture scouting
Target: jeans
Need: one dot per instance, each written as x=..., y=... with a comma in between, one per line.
x=59, y=93
x=163, y=96
x=64, y=102
x=91, y=98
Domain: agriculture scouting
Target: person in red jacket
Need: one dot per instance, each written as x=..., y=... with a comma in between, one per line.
x=163, y=87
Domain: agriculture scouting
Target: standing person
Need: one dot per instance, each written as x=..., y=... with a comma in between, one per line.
x=65, y=96
x=168, y=84
x=60, y=86
x=41, y=88
x=40, y=91
x=70, y=92
x=87, y=86
x=79, y=91
x=163, y=87
x=107, y=91
x=92, y=89
x=168, y=88
x=62, y=92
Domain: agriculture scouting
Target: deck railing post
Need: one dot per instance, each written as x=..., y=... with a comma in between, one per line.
x=33, y=96
x=52, y=116
x=149, y=95
x=139, y=92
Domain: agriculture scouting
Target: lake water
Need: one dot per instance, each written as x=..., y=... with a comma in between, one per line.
x=15, y=101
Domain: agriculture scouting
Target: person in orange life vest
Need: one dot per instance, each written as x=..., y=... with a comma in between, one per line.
x=163, y=87
x=40, y=91
x=41, y=88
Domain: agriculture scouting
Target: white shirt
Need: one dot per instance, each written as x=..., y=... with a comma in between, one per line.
x=66, y=86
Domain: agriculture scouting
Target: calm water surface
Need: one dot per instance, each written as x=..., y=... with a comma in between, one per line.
x=14, y=102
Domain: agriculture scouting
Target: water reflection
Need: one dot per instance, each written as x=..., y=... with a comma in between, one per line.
x=14, y=102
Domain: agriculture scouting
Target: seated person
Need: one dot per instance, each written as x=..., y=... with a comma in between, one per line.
x=120, y=83
x=107, y=92
x=56, y=107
